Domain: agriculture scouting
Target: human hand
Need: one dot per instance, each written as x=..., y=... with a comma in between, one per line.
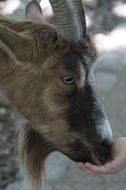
x=117, y=163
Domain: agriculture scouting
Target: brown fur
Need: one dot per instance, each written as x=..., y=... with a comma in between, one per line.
x=33, y=152
x=31, y=65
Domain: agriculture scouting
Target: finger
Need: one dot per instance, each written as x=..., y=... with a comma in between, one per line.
x=108, y=168
x=85, y=169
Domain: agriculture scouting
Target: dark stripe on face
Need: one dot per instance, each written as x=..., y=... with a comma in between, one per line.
x=85, y=109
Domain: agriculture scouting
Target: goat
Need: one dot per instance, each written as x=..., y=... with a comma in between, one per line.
x=47, y=72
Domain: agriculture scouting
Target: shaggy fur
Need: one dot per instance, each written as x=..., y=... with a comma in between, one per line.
x=34, y=59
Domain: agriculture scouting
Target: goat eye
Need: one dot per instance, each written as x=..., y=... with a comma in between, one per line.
x=68, y=80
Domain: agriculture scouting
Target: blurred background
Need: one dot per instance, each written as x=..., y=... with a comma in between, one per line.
x=106, y=21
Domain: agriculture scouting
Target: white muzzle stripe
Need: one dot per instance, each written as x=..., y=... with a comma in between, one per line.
x=104, y=130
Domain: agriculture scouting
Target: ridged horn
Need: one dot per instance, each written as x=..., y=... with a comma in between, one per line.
x=79, y=5
x=66, y=14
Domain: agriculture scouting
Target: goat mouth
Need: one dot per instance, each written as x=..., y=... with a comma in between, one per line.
x=91, y=157
x=95, y=160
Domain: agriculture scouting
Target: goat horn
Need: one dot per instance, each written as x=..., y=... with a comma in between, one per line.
x=81, y=11
x=66, y=14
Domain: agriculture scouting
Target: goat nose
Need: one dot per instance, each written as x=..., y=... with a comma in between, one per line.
x=105, y=144
x=105, y=151
x=104, y=130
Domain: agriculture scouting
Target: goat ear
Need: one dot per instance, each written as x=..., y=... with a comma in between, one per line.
x=15, y=45
x=33, y=12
